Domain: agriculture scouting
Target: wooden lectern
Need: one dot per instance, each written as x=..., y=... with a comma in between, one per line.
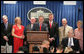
x=36, y=38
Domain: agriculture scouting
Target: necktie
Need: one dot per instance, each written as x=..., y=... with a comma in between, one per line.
x=50, y=25
x=64, y=32
x=31, y=26
x=40, y=27
x=70, y=42
x=6, y=26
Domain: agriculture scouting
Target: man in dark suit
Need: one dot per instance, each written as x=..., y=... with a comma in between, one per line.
x=6, y=38
x=70, y=41
x=53, y=31
x=40, y=26
x=28, y=28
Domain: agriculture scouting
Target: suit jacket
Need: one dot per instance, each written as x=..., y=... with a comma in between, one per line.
x=53, y=32
x=7, y=33
x=27, y=28
x=76, y=46
x=61, y=32
x=36, y=27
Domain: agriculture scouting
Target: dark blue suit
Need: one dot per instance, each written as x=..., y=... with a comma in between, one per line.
x=36, y=27
x=76, y=46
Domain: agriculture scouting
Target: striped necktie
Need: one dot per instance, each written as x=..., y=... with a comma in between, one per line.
x=6, y=26
x=64, y=32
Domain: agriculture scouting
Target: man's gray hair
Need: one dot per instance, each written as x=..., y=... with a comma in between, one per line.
x=64, y=19
x=33, y=18
x=4, y=17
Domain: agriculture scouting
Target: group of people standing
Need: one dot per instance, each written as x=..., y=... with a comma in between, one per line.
x=14, y=36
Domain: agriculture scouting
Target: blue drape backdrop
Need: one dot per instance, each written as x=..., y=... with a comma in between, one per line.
x=72, y=13
x=21, y=8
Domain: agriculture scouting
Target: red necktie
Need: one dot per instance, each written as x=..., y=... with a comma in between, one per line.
x=50, y=25
x=40, y=27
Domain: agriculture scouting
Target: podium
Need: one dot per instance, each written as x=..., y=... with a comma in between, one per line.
x=36, y=38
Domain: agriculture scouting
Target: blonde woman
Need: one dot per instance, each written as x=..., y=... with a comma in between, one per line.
x=17, y=32
x=79, y=33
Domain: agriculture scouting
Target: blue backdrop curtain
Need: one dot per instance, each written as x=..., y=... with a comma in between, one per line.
x=72, y=13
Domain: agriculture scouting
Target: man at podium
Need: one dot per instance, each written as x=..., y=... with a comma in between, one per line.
x=40, y=26
x=28, y=28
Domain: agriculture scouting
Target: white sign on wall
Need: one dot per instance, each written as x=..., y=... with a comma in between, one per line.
x=39, y=2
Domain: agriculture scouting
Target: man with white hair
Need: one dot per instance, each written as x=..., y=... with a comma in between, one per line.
x=29, y=28
x=70, y=41
x=63, y=30
x=6, y=38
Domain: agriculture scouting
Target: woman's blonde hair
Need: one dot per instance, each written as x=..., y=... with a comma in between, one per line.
x=16, y=19
x=79, y=21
